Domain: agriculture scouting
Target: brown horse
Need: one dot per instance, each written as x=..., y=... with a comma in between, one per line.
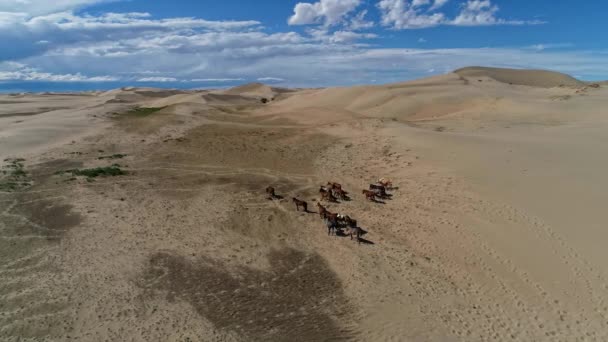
x=327, y=195
x=330, y=216
x=322, y=210
x=299, y=204
x=350, y=222
x=334, y=186
x=380, y=190
x=369, y=195
x=341, y=194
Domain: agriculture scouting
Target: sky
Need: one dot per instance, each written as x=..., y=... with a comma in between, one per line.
x=63, y=45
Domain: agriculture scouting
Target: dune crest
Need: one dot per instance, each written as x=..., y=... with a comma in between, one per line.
x=526, y=77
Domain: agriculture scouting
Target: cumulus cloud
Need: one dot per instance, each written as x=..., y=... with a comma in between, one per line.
x=328, y=12
x=417, y=14
x=438, y=4
x=400, y=14
x=358, y=22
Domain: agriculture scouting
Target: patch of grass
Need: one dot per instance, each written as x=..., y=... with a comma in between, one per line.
x=114, y=156
x=14, y=176
x=106, y=171
x=8, y=186
x=143, y=111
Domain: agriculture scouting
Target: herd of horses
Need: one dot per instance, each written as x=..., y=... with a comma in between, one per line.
x=333, y=192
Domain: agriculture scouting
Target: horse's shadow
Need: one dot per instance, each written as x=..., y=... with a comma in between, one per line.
x=340, y=233
x=365, y=241
x=275, y=197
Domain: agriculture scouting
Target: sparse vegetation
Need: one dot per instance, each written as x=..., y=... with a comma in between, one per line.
x=143, y=111
x=106, y=171
x=92, y=173
x=14, y=176
x=264, y=100
x=114, y=156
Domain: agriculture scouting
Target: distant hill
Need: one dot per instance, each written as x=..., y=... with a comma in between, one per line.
x=256, y=90
x=532, y=78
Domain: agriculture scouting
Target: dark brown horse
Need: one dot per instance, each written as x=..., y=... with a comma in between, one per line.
x=334, y=186
x=299, y=204
x=341, y=194
x=322, y=210
x=330, y=216
x=380, y=190
x=369, y=195
x=327, y=195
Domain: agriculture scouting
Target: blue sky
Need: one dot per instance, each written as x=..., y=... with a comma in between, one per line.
x=102, y=44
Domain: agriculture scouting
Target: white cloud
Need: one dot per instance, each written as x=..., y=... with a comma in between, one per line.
x=542, y=47
x=418, y=3
x=417, y=14
x=20, y=72
x=400, y=14
x=270, y=79
x=358, y=22
x=66, y=29
x=421, y=40
x=477, y=12
x=40, y=7
x=328, y=12
x=483, y=12
x=339, y=37
x=438, y=4
x=157, y=79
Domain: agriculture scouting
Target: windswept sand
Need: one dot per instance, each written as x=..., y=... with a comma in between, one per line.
x=496, y=232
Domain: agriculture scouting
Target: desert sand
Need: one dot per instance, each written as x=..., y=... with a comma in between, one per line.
x=495, y=232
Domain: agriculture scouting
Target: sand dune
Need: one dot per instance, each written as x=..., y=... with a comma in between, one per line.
x=258, y=90
x=532, y=78
x=495, y=232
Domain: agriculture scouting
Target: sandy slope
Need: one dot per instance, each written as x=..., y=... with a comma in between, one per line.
x=495, y=232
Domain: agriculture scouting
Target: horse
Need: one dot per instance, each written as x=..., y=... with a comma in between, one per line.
x=385, y=182
x=299, y=204
x=330, y=216
x=341, y=194
x=347, y=220
x=369, y=195
x=332, y=225
x=334, y=186
x=356, y=231
x=322, y=210
x=270, y=192
x=380, y=190
x=328, y=196
x=377, y=187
